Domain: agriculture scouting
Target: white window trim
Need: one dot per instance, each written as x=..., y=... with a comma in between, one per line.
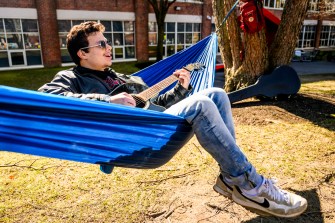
x=273, y=7
x=178, y=18
x=18, y=13
x=328, y=23
x=94, y=15
x=21, y=67
x=310, y=22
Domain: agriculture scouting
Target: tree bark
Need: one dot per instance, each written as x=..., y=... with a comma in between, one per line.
x=219, y=12
x=161, y=8
x=287, y=35
x=243, y=65
x=246, y=55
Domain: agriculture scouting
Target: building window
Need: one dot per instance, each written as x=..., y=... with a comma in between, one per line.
x=313, y=5
x=152, y=37
x=170, y=38
x=19, y=43
x=177, y=37
x=277, y=4
x=307, y=37
x=120, y=33
x=187, y=34
x=327, y=37
x=332, y=37
x=64, y=27
x=329, y=6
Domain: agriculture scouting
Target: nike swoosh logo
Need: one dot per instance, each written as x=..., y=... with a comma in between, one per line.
x=264, y=204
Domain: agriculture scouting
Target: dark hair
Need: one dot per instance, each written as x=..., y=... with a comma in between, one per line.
x=77, y=37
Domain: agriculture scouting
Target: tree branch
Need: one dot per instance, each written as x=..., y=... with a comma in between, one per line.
x=165, y=179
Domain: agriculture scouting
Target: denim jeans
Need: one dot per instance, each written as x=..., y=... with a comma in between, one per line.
x=209, y=113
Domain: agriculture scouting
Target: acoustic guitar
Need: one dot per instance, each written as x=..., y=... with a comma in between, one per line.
x=284, y=80
x=144, y=99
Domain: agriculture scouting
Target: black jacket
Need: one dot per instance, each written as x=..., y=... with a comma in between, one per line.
x=80, y=82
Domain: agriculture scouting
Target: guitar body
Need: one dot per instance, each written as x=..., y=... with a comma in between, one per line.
x=132, y=89
x=140, y=103
x=152, y=106
x=284, y=80
x=143, y=95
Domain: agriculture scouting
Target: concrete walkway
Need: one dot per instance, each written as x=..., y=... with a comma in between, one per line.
x=315, y=67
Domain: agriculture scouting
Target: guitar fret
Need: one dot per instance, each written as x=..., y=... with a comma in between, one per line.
x=153, y=90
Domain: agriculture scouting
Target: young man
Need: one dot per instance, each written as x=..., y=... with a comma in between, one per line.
x=208, y=112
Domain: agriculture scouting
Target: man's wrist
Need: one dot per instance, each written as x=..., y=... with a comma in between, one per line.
x=106, y=98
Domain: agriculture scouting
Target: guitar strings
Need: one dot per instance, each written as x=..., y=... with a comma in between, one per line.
x=165, y=83
x=138, y=100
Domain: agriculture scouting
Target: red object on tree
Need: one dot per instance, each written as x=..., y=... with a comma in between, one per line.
x=252, y=18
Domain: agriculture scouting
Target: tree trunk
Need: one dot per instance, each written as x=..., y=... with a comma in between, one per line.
x=254, y=62
x=219, y=12
x=287, y=35
x=243, y=65
x=229, y=40
x=161, y=8
x=246, y=55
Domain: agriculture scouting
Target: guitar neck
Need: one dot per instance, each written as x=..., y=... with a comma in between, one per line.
x=153, y=90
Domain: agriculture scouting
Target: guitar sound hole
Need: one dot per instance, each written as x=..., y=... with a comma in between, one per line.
x=140, y=103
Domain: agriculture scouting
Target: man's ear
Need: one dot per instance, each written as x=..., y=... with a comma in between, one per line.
x=81, y=54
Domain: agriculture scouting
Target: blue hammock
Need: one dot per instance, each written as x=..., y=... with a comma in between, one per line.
x=95, y=132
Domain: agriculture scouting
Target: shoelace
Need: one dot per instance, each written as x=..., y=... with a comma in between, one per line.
x=274, y=191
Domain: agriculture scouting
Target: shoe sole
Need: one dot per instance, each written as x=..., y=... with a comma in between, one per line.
x=222, y=192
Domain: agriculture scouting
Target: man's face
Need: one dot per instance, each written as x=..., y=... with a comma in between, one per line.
x=97, y=57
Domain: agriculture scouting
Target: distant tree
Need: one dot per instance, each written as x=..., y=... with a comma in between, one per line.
x=247, y=55
x=161, y=8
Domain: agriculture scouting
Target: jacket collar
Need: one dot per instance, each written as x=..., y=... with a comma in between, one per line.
x=84, y=70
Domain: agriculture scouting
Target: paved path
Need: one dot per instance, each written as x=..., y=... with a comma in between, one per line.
x=315, y=67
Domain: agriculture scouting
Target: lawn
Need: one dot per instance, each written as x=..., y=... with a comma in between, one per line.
x=291, y=140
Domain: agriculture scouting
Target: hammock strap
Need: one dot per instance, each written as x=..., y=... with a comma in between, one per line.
x=226, y=17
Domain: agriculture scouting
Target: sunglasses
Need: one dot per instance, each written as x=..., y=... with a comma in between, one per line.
x=102, y=44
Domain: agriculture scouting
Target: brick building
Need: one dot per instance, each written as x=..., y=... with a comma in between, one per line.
x=33, y=32
x=317, y=35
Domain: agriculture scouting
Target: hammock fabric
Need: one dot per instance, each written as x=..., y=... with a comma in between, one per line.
x=95, y=132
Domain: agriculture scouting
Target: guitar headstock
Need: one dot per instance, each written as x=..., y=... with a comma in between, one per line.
x=194, y=66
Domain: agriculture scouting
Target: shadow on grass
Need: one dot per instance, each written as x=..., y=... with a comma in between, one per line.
x=312, y=214
x=318, y=111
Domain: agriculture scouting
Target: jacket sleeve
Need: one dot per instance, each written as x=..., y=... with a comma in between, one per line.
x=173, y=96
x=66, y=84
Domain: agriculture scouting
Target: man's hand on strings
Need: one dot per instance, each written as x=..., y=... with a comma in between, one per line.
x=184, y=77
x=123, y=99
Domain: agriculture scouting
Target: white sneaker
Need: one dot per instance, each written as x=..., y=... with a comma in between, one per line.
x=269, y=199
x=222, y=187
